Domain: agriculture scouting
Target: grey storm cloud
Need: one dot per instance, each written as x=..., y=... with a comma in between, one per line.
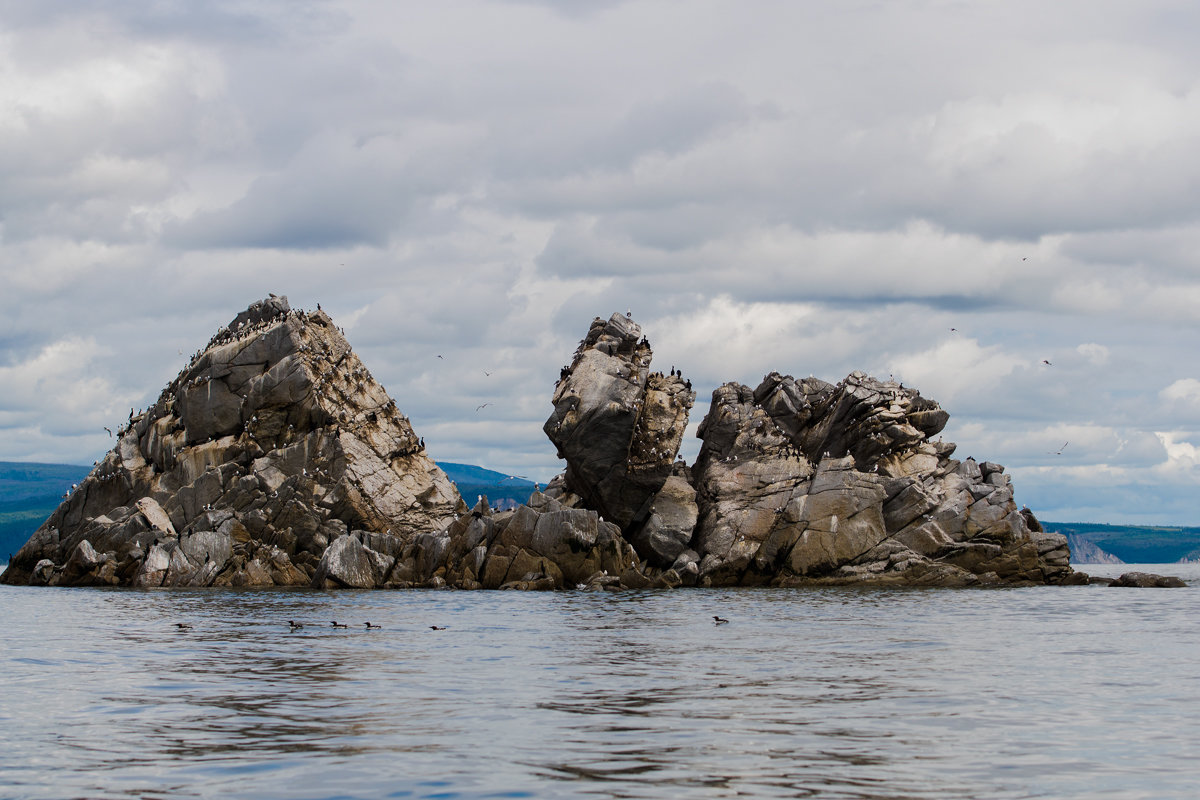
x=950, y=193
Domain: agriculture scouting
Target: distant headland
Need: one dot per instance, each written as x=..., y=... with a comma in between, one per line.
x=275, y=458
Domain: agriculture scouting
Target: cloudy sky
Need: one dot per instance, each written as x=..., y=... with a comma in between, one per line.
x=808, y=187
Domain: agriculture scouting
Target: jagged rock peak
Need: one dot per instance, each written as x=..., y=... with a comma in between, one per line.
x=875, y=421
x=273, y=441
x=801, y=481
x=617, y=425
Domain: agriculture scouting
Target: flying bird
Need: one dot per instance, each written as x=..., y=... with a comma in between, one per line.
x=485, y=372
x=1047, y=363
x=1059, y=451
x=441, y=357
x=109, y=431
x=485, y=405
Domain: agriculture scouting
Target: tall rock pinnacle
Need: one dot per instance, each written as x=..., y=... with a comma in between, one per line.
x=617, y=424
x=272, y=442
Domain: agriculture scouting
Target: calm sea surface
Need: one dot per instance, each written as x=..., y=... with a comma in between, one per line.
x=1013, y=693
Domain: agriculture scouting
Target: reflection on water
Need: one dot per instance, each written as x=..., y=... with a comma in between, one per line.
x=1072, y=692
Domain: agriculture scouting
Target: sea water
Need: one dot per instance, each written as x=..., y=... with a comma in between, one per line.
x=839, y=693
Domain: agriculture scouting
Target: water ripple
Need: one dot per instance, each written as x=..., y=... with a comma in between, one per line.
x=1020, y=693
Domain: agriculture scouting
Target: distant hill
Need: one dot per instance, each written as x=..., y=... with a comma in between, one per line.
x=501, y=489
x=30, y=492
x=1135, y=544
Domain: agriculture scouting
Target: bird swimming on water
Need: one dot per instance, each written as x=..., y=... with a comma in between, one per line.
x=369, y=625
x=436, y=628
x=183, y=626
x=294, y=625
x=719, y=620
x=337, y=624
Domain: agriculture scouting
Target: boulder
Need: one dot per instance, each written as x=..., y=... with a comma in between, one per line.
x=346, y=563
x=1148, y=580
x=667, y=531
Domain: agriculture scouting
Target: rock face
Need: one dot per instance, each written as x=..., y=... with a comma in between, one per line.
x=273, y=442
x=542, y=545
x=617, y=424
x=805, y=481
x=797, y=482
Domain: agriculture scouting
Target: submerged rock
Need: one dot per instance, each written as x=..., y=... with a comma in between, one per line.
x=1148, y=580
x=270, y=444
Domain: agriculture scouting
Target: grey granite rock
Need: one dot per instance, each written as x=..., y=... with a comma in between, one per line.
x=273, y=441
x=275, y=459
x=809, y=482
x=617, y=425
x=667, y=532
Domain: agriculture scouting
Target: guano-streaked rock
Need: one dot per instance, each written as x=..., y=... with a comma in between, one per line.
x=803, y=482
x=270, y=444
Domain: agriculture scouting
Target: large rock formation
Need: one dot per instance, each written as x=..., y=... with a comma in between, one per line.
x=275, y=458
x=273, y=442
x=617, y=424
x=804, y=481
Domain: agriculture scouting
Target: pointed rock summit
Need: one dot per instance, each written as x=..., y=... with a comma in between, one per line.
x=273, y=442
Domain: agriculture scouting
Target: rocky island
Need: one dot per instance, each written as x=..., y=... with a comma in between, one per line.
x=274, y=458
